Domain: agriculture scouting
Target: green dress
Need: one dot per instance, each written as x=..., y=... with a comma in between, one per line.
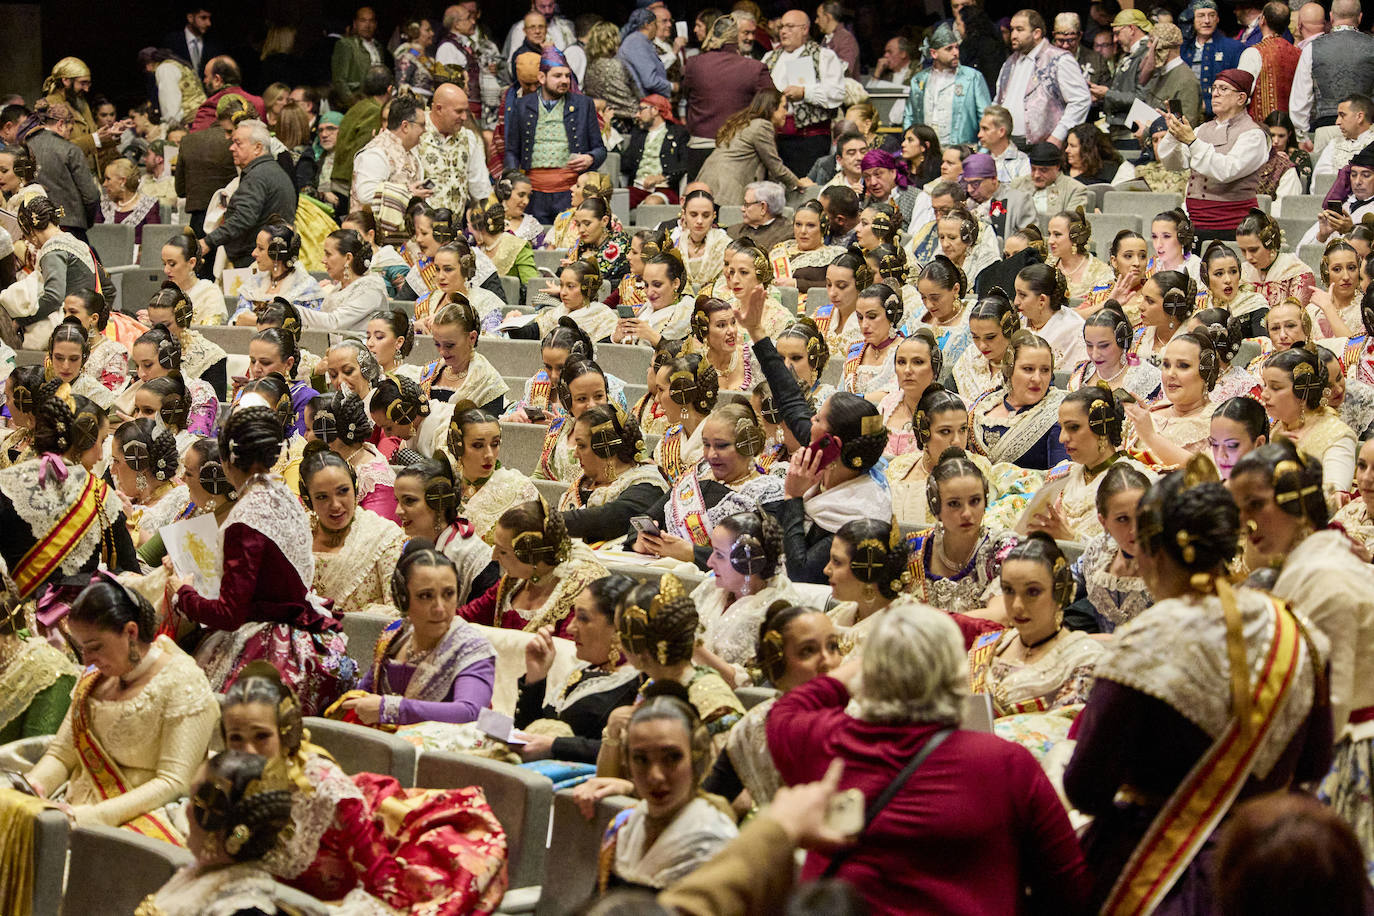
x=36, y=684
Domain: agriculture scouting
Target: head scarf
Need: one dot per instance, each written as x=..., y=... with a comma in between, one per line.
x=527, y=67
x=724, y=31
x=638, y=20
x=882, y=159
x=329, y=117
x=551, y=58
x=68, y=68
x=943, y=36
x=1132, y=17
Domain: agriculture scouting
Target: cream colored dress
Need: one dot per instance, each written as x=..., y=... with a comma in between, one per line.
x=358, y=575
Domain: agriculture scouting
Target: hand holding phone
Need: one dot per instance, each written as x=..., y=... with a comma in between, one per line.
x=1176, y=108
x=646, y=526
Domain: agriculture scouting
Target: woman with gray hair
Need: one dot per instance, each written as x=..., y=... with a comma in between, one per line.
x=976, y=824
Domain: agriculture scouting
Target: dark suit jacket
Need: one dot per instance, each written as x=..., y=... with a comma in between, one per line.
x=204, y=165
x=672, y=155
x=176, y=43
x=584, y=134
x=64, y=174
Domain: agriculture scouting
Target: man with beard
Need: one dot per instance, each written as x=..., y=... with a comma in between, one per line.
x=68, y=84
x=553, y=135
x=655, y=159
x=1041, y=85
x=355, y=54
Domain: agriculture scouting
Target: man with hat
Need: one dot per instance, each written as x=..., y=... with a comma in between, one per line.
x=991, y=201
x=1357, y=206
x=1131, y=32
x=526, y=83
x=1210, y=52
x=69, y=83
x=948, y=97
x=655, y=160
x=1224, y=155
x=1171, y=80
x=553, y=135
x=1050, y=190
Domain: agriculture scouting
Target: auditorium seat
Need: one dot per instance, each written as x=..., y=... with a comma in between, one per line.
x=359, y=749
x=155, y=235
x=1143, y=203
x=113, y=243
x=113, y=869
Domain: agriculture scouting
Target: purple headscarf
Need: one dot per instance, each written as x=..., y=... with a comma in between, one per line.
x=882, y=159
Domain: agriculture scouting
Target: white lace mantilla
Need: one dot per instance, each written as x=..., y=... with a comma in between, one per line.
x=42, y=506
x=268, y=507
x=198, y=354
x=215, y=891
x=506, y=487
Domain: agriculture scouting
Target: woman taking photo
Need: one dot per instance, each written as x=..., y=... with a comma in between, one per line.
x=700, y=241
x=339, y=420
x=617, y=482
x=1128, y=262
x=1222, y=270
x=265, y=609
x=157, y=354
x=1188, y=531
x=511, y=254
x=1042, y=297
x=747, y=151
x=1284, y=140
x=1295, y=386
x=277, y=272
x=1018, y=422
x=1172, y=237
x=955, y=562
x=144, y=462
x=597, y=241
x=486, y=489
x=916, y=364
x=604, y=681
x=1274, y=273
x=140, y=721
x=1166, y=301
x=666, y=313
x=356, y=293
x=431, y=665
x=1106, y=574
x=180, y=258
x=991, y=322
x=461, y=373
x=837, y=318
x=1175, y=428
x=801, y=261
x=867, y=571
x=1038, y=665
x=1107, y=336
x=107, y=361
x=542, y=572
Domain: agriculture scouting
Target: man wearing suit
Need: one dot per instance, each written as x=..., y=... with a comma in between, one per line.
x=1049, y=190
x=948, y=97
x=193, y=42
x=1210, y=52
x=1002, y=207
x=553, y=136
x=62, y=169
x=204, y=163
x=355, y=53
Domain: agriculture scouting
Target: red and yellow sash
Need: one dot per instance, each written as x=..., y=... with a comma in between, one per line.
x=980, y=660
x=550, y=443
x=1207, y=793
x=52, y=548
x=105, y=774
x=690, y=508
x=671, y=445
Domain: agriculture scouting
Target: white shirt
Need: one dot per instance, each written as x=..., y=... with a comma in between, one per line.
x=454, y=54
x=1336, y=156
x=793, y=68
x=167, y=75
x=195, y=46
x=1073, y=86
x=1356, y=214
x=1302, y=95
x=1064, y=333
x=373, y=50
x=560, y=33
x=370, y=169
x=1250, y=61
x=939, y=103
x=1248, y=153
x=1011, y=163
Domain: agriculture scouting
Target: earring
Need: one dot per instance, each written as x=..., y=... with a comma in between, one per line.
x=134, y=657
x=1251, y=526
x=682, y=416
x=141, y=480
x=870, y=592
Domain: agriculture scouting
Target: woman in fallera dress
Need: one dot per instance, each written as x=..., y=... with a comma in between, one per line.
x=992, y=322
x=1107, y=575
x=1018, y=422
x=1107, y=335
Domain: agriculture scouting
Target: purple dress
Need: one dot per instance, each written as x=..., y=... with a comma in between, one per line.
x=453, y=683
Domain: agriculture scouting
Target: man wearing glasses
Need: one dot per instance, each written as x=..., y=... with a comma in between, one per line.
x=1068, y=36
x=387, y=165
x=811, y=79
x=762, y=211
x=1224, y=156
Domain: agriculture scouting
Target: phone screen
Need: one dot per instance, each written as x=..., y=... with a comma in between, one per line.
x=625, y=311
x=1176, y=108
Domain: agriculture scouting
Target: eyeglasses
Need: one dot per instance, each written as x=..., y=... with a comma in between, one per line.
x=750, y=203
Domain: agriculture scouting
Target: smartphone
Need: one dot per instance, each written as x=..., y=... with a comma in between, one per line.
x=645, y=525
x=829, y=448
x=844, y=813
x=428, y=184
x=535, y=415
x=625, y=311
x=1334, y=206
x=1176, y=108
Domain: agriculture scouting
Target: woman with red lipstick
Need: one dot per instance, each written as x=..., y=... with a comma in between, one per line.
x=355, y=549
x=868, y=366
x=579, y=284
x=1239, y=426
x=1339, y=303
x=958, y=232
x=339, y=420
x=1018, y=422
x=1068, y=238
x=1166, y=301
x=1106, y=573
x=1107, y=337
x=486, y=488
x=461, y=373
x=1225, y=289
x=1090, y=429
x=1127, y=261
x=955, y=563
x=1176, y=428
x=942, y=287
x=581, y=385
x=687, y=388
x=716, y=336
x=1294, y=395
x=991, y=323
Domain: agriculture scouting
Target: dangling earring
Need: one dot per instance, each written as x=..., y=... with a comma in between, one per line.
x=141, y=480
x=870, y=591
x=682, y=416
x=614, y=656
x=134, y=657
x=744, y=589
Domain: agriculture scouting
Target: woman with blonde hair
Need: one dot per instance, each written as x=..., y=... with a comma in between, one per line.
x=606, y=76
x=511, y=254
x=121, y=202
x=747, y=151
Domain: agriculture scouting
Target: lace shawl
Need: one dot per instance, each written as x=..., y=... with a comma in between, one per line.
x=432, y=680
x=1021, y=430
x=43, y=504
x=747, y=745
x=1060, y=677
x=266, y=505
x=1117, y=599
x=1354, y=519
x=198, y=354
x=357, y=575
x=1235, y=382
x=481, y=385
x=90, y=387
x=733, y=632
x=1176, y=652
x=69, y=244
x=108, y=363
x=165, y=511
x=702, y=270
x=696, y=833
x=1078, y=500
x=1188, y=433
x=1140, y=379
x=216, y=891
x=587, y=681
x=600, y=496
x=559, y=461
x=1287, y=276
x=672, y=322
x=34, y=667
x=973, y=375
x=312, y=814
x=596, y=319
x=575, y=573
x=505, y=487
x=745, y=497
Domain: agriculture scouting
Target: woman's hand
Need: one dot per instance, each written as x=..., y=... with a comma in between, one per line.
x=246, y=320
x=367, y=708
x=551, y=289
x=749, y=313
x=174, y=582
x=1142, y=421
x=1127, y=284
x=665, y=545
x=537, y=747
x=539, y=656
x=1052, y=522
x=636, y=329
x=597, y=788
x=803, y=473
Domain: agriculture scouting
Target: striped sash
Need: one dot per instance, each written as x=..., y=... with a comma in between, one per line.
x=48, y=553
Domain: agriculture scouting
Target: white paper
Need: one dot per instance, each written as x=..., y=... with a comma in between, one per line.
x=193, y=545
x=233, y=278
x=1141, y=114
x=517, y=320
x=500, y=726
x=1039, y=504
x=681, y=28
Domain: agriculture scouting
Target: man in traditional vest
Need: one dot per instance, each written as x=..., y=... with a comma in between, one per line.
x=1331, y=67
x=1041, y=85
x=1131, y=32
x=812, y=80
x=553, y=135
x=1224, y=156
x=461, y=47
x=451, y=153
x=1209, y=52
x=389, y=158
x=1272, y=62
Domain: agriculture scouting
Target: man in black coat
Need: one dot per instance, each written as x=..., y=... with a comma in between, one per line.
x=660, y=170
x=192, y=42
x=264, y=191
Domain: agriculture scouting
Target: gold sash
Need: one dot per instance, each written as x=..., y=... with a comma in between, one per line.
x=48, y=553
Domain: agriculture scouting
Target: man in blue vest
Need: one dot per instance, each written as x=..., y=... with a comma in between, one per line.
x=1210, y=52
